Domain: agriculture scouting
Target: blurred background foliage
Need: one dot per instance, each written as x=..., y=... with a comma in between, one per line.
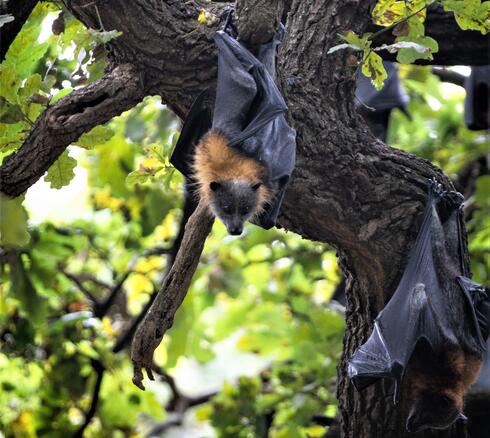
x=255, y=345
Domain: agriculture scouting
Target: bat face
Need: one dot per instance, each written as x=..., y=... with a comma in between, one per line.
x=432, y=410
x=234, y=202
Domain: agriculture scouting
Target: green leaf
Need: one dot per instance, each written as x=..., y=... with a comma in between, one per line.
x=32, y=304
x=25, y=52
x=407, y=55
x=32, y=85
x=13, y=222
x=482, y=193
x=470, y=14
x=387, y=12
x=355, y=40
x=372, y=67
x=11, y=136
x=60, y=94
x=10, y=113
x=137, y=177
x=61, y=172
x=98, y=135
x=9, y=83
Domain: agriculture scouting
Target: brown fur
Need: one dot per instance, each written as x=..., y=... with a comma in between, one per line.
x=216, y=160
x=450, y=375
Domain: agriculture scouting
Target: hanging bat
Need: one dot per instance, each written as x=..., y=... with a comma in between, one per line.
x=240, y=159
x=418, y=335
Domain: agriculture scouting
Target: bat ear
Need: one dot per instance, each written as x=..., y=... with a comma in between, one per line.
x=256, y=186
x=214, y=185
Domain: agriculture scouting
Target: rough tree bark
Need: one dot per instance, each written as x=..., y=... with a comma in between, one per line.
x=348, y=189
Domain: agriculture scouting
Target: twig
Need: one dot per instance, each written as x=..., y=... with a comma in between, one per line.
x=391, y=26
x=99, y=369
x=174, y=289
x=102, y=308
x=80, y=286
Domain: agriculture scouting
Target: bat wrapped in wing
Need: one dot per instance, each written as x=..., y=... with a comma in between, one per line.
x=242, y=157
x=420, y=331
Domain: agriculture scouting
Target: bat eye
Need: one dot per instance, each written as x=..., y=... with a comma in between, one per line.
x=214, y=186
x=446, y=401
x=227, y=209
x=244, y=211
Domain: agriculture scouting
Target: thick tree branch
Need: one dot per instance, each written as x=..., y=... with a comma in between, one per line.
x=451, y=76
x=187, y=210
x=258, y=19
x=64, y=122
x=161, y=314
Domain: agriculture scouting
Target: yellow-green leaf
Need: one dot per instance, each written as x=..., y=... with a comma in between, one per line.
x=61, y=172
x=13, y=222
x=372, y=67
x=98, y=135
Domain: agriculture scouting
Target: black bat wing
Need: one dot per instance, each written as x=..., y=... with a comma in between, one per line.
x=196, y=124
x=250, y=110
x=420, y=308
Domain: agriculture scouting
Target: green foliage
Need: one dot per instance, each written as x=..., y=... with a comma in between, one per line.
x=470, y=14
x=405, y=19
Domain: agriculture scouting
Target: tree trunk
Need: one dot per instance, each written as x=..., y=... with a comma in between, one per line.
x=348, y=189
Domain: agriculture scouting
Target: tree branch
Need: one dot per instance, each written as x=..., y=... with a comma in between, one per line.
x=102, y=308
x=64, y=122
x=187, y=210
x=450, y=76
x=79, y=283
x=258, y=19
x=160, y=316
x=99, y=370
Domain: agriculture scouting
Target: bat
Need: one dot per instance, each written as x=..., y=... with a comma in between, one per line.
x=243, y=155
x=420, y=332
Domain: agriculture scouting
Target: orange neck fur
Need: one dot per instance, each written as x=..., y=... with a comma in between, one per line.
x=216, y=160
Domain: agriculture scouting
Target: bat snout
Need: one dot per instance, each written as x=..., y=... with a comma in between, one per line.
x=235, y=231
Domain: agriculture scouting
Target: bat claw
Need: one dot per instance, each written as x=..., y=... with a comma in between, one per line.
x=138, y=377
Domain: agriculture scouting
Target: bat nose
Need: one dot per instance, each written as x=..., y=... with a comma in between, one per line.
x=236, y=231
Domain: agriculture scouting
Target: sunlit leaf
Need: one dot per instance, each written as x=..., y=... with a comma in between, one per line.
x=61, y=171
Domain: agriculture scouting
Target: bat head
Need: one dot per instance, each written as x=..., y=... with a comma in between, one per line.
x=234, y=202
x=434, y=410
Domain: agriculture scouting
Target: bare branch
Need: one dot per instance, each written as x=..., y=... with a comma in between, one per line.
x=451, y=76
x=174, y=289
x=64, y=122
x=79, y=283
x=99, y=370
